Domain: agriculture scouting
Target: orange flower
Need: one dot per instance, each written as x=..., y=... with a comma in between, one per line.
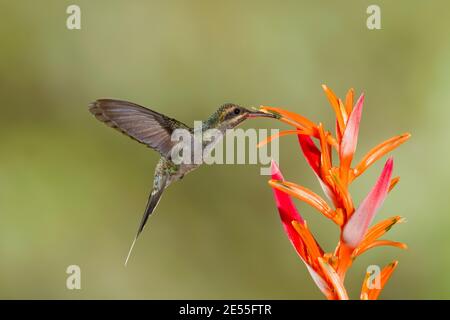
x=328, y=269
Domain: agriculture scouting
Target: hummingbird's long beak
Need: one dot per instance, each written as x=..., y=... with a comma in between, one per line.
x=259, y=114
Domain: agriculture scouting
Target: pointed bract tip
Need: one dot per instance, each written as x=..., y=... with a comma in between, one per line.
x=274, y=166
x=275, y=171
x=389, y=165
x=360, y=100
x=350, y=136
x=393, y=264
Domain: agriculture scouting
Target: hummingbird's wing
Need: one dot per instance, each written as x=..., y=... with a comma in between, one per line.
x=144, y=125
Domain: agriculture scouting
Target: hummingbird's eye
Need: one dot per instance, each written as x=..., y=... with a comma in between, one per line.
x=237, y=111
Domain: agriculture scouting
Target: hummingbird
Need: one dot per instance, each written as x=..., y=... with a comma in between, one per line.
x=154, y=130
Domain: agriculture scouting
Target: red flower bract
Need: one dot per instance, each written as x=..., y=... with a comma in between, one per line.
x=287, y=210
x=357, y=226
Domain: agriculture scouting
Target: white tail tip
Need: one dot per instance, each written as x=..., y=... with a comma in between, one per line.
x=129, y=252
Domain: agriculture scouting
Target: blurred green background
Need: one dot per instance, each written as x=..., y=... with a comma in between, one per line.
x=72, y=191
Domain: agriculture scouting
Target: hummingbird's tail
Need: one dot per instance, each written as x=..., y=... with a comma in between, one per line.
x=155, y=196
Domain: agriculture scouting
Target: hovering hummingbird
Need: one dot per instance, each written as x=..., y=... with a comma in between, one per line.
x=154, y=130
